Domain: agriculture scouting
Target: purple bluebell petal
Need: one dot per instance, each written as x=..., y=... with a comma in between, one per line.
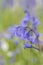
x=24, y=23
x=27, y=35
x=20, y=31
x=35, y=21
x=25, y=20
x=35, y=41
x=26, y=45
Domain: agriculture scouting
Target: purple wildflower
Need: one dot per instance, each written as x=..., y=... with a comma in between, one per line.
x=20, y=31
x=25, y=20
x=36, y=22
x=27, y=35
x=24, y=31
x=26, y=45
x=35, y=41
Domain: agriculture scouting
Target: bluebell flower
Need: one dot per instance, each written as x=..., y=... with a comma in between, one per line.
x=25, y=32
x=27, y=45
x=35, y=41
x=30, y=36
x=27, y=35
x=25, y=20
x=36, y=31
x=20, y=31
x=36, y=22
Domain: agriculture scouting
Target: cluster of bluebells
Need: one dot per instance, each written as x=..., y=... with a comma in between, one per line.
x=26, y=30
x=28, y=33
